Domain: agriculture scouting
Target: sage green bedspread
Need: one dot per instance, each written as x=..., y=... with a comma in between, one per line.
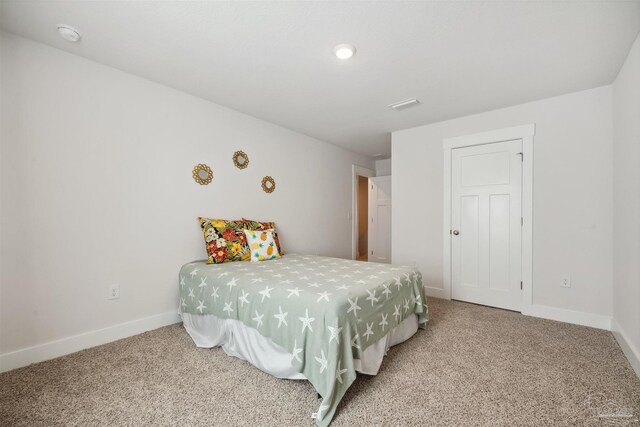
x=324, y=311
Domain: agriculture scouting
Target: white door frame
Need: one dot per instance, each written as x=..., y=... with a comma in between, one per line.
x=526, y=134
x=355, y=172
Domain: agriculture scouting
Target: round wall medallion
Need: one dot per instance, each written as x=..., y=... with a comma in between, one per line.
x=268, y=184
x=202, y=174
x=240, y=159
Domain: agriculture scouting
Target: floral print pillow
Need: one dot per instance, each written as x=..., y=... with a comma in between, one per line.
x=262, y=245
x=225, y=240
x=263, y=226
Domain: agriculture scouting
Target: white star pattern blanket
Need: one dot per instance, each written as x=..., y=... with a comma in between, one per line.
x=324, y=311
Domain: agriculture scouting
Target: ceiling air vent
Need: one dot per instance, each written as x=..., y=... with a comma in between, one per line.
x=402, y=105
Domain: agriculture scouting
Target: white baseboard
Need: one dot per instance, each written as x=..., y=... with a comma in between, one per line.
x=435, y=292
x=629, y=350
x=64, y=346
x=569, y=316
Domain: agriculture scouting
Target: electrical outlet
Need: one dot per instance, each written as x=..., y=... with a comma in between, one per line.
x=565, y=281
x=114, y=292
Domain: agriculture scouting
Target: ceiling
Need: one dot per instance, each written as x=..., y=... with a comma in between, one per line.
x=273, y=59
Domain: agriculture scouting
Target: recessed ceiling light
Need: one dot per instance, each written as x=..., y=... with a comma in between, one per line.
x=344, y=51
x=68, y=33
x=404, y=104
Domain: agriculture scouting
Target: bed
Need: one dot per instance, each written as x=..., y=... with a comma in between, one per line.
x=304, y=317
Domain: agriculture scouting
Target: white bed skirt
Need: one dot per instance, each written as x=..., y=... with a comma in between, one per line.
x=243, y=342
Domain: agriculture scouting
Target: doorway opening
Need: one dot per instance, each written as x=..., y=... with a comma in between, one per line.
x=363, y=214
x=359, y=174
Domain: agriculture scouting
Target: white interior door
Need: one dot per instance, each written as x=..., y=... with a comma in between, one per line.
x=486, y=215
x=380, y=219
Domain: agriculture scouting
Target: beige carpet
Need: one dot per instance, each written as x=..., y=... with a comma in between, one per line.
x=473, y=366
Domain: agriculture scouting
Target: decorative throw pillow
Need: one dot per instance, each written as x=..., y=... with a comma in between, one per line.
x=262, y=245
x=263, y=226
x=225, y=240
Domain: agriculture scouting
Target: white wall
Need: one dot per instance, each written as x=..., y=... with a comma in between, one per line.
x=626, y=203
x=383, y=167
x=97, y=189
x=572, y=222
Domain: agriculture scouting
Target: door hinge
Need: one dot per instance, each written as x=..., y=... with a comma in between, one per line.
x=521, y=154
x=521, y=221
x=371, y=252
x=521, y=285
x=450, y=231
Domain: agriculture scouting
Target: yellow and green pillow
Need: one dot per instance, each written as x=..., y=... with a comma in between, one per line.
x=261, y=244
x=251, y=224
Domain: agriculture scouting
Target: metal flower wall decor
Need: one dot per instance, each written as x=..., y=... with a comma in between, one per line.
x=268, y=184
x=202, y=174
x=240, y=159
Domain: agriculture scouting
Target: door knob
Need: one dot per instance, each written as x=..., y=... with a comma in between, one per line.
x=456, y=232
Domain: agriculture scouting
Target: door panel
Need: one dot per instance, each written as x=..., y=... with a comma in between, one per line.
x=486, y=186
x=380, y=225
x=485, y=169
x=499, y=241
x=469, y=241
